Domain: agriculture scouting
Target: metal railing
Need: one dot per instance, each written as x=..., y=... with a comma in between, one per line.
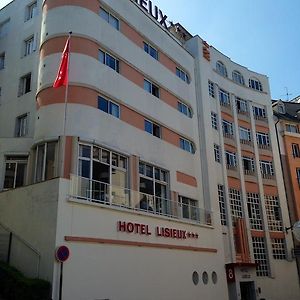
x=18, y=253
x=228, y=135
x=246, y=142
x=116, y=196
x=264, y=146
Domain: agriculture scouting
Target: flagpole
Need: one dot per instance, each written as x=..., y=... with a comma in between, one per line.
x=67, y=86
x=64, y=138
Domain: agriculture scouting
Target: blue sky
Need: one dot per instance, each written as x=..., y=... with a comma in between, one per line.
x=263, y=35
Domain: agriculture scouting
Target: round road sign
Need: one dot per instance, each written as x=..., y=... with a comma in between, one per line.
x=62, y=253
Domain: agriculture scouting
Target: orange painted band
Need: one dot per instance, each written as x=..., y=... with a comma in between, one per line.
x=137, y=244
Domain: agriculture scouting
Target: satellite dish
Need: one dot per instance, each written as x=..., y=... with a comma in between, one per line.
x=296, y=231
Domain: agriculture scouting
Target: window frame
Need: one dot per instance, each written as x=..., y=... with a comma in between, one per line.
x=221, y=69
x=155, y=90
x=182, y=75
x=238, y=78
x=2, y=61
x=110, y=104
x=184, y=109
x=255, y=84
x=107, y=58
x=23, y=84
x=149, y=49
x=110, y=16
x=154, y=127
x=186, y=145
x=22, y=123
x=31, y=11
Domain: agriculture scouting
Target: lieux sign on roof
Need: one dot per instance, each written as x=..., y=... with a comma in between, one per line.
x=154, y=11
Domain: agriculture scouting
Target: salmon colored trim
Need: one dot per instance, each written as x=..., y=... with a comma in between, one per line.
x=90, y=48
x=244, y=124
x=92, y=5
x=266, y=157
x=243, y=240
x=68, y=157
x=134, y=162
x=77, y=94
x=251, y=187
x=89, y=97
x=234, y=183
x=257, y=233
x=270, y=190
x=138, y=244
x=229, y=148
x=277, y=235
x=186, y=179
x=248, y=153
x=227, y=117
x=263, y=129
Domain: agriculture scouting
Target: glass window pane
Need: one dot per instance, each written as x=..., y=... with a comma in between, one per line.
x=149, y=171
x=103, y=104
x=84, y=151
x=104, y=15
x=96, y=153
x=9, y=175
x=84, y=168
x=21, y=174
x=115, y=160
x=114, y=110
x=101, y=56
x=148, y=126
x=146, y=47
x=111, y=62
x=105, y=156
x=40, y=163
x=50, y=161
x=147, y=86
x=153, y=53
x=157, y=174
x=142, y=168
x=114, y=22
x=123, y=162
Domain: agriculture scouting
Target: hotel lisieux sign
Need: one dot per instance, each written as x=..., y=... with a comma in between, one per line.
x=153, y=11
x=159, y=231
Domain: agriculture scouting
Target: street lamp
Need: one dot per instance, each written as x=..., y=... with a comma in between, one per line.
x=296, y=230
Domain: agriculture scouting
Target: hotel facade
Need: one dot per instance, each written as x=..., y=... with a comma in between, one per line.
x=161, y=172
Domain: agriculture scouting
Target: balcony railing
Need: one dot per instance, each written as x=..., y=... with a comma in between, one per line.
x=243, y=112
x=231, y=167
x=246, y=142
x=228, y=135
x=261, y=118
x=264, y=146
x=116, y=196
x=249, y=172
x=268, y=176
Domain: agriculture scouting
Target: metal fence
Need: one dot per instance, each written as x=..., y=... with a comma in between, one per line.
x=100, y=192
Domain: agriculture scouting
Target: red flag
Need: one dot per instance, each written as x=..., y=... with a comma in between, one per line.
x=62, y=74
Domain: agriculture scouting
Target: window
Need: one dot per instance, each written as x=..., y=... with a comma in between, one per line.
x=189, y=208
x=245, y=134
x=241, y=105
x=262, y=139
x=183, y=108
x=254, y=211
x=182, y=75
x=230, y=160
x=260, y=256
x=298, y=176
x=151, y=88
x=266, y=168
x=235, y=205
x=248, y=165
x=109, y=18
x=186, y=145
x=221, y=69
x=295, y=150
x=154, y=189
x=281, y=109
x=29, y=46
x=109, y=60
x=222, y=205
x=152, y=128
x=22, y=125
x=217, y=153
x=227, y=128
x=15, y=171
x=214, y=120
x=151, y=50
x=255, y=84
x=4, y=26
x=31, y=11
x=25, y=84
x=273, y=213
x=238, y=78
x=104, y=175
x=291, y=128
x=45, y=161
x=259, y=113
x=278, y=248
x=211, y=88
x=224, y=98
x=109, y=107
x=2, y=61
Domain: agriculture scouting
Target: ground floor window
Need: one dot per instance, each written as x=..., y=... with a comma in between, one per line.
x=15, y=171
x=154, y=189
x=278, y=248
x=260, y=256
x=103, y=175
x=45, y=161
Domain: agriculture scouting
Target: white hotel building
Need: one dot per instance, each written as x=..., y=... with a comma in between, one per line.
x=166, y=181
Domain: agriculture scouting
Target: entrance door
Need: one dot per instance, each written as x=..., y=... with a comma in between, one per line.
x=248, y=290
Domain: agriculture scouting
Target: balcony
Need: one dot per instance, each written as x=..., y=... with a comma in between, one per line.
x=264, y=147
x=246, y=142
x=249, y=172
x=243, y=112
x=93, y=191
x=228, y=135
x=260, y=118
